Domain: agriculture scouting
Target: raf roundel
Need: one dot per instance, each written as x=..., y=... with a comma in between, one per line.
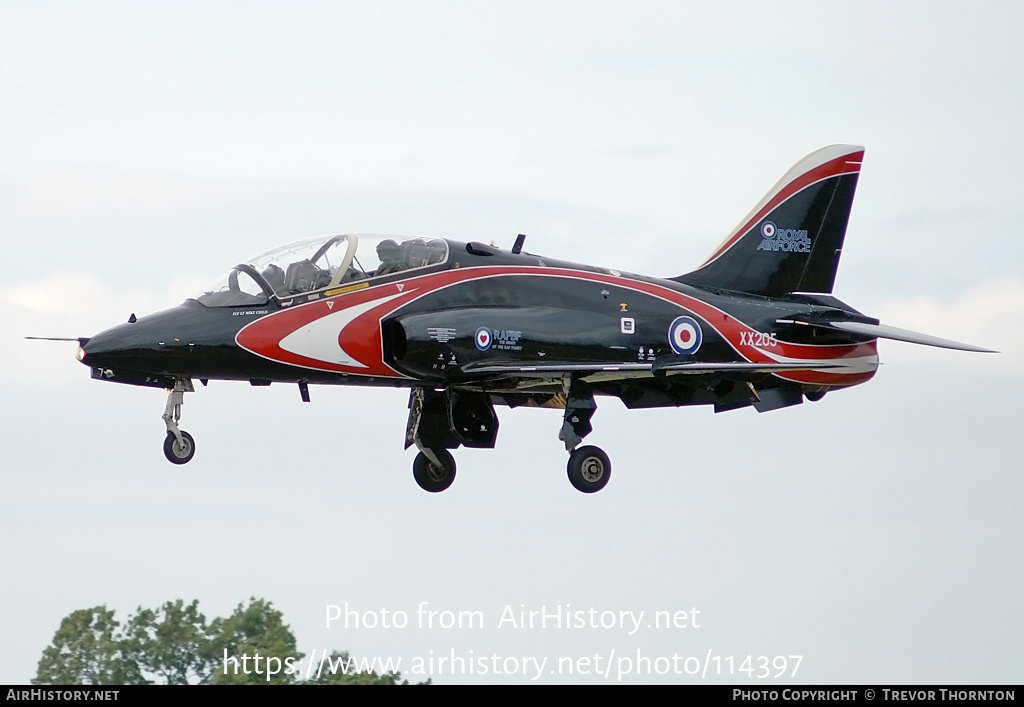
x=483, y=338
x=684, y=335
x=768, y=229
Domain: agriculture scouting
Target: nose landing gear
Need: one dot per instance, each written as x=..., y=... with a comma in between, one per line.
x=179, y=447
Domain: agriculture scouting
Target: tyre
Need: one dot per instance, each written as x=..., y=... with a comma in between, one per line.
x=177, y=453
x=589, y=469
x=431, y=477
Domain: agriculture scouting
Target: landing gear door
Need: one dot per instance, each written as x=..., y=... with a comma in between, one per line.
x=472, y=419
x=449, y=419
x=428, y=425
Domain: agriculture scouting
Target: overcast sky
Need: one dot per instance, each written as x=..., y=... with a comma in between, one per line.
x=878, y=533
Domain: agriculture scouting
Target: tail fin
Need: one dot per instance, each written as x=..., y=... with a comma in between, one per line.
x=792, y=239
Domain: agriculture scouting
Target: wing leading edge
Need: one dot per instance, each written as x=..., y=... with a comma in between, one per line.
x=555, y=370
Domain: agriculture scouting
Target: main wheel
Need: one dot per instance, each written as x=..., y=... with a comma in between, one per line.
x=177, y=453
x=589, y=469
x=431, y=477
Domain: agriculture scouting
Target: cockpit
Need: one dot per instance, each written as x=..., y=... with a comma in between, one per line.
x=323, y=262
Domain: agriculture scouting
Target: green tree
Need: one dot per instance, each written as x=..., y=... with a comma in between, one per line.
x=258, y=640
x=171, y=643
x=175, y=645
x=88, y=649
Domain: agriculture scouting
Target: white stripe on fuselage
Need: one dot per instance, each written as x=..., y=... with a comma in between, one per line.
x=320, y=338
x=846, y=366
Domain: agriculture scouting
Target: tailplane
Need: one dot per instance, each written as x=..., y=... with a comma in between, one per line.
x=791, y=241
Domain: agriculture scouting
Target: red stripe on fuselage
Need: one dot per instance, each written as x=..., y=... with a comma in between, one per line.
x=361, y=337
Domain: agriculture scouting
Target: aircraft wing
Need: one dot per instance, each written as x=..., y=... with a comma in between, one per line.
x=550, y=370
x=881, y=331
x=556, y=370
x=743, y=367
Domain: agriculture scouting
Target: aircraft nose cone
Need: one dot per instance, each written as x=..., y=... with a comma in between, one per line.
x=149, y=343
x=108, y=346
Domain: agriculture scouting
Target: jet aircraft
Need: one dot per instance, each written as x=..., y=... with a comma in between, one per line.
x=470, y=326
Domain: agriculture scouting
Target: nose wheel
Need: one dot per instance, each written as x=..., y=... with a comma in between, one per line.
x=179, y=452
x=179, y=447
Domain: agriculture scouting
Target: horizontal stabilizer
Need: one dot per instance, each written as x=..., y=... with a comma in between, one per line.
x=881, y=331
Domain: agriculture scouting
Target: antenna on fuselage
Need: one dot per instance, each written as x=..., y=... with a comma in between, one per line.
x=517, y=247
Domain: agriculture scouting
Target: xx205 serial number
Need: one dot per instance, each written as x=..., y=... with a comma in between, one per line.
x=757, y=338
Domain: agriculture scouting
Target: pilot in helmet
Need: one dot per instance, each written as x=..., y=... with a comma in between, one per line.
x=274, y=276
x=389, y=253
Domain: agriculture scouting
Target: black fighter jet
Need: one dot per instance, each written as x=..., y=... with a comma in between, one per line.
x=468, y=326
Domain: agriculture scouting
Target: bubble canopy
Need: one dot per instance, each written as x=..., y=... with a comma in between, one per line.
x=319, y=263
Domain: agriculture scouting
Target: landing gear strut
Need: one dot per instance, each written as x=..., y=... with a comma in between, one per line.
x=428, y=429
x=179, y=447
x=589, y=468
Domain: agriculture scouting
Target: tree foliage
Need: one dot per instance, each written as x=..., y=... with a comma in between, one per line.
x=175, y=645
x=256, y=630
x=87, y=650
x=171, y=643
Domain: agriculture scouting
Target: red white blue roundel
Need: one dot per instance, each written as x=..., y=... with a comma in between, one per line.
x=483, y=338
x=768, y=229
x=684, y=335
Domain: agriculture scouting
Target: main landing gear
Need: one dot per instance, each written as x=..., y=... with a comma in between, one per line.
x=434, y=474
x=440, y=420
x=589, y=468
x=179, y=447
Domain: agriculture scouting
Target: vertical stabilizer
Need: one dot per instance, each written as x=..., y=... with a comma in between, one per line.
x=791, y=241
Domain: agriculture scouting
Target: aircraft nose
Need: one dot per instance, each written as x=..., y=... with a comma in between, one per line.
x=106, y=347
x=148, y=343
